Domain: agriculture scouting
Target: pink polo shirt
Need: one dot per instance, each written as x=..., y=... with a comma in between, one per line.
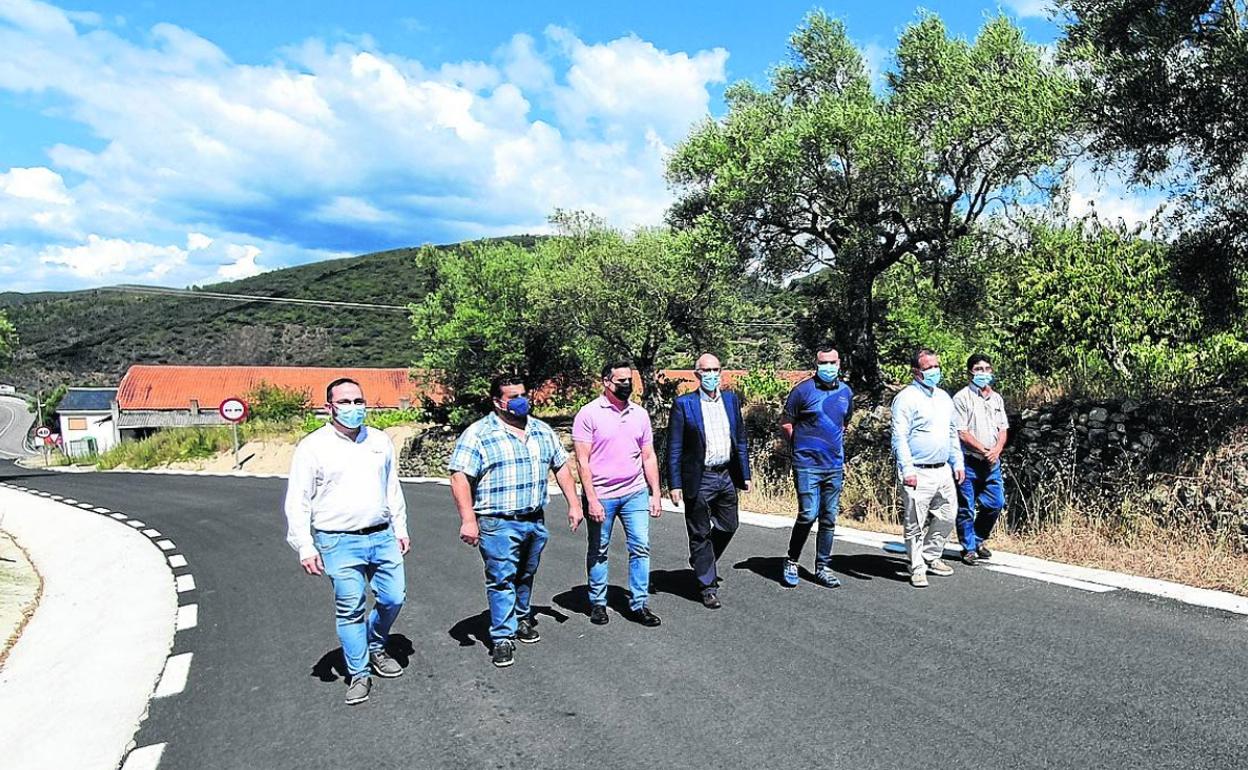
x=616, y=439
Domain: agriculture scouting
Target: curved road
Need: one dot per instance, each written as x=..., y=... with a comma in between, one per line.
x=15, y=422
x=981, y=670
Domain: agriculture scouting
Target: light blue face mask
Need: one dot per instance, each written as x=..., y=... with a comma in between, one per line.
x=982, y=380
x=931, y=377
x=350, y=416
x=710, y=382
x=828, y=372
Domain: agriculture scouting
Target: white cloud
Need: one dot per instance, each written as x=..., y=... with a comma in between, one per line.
x=36, y=184
x=1111, y=198
x=335, y=147
x=197, y=241
x=1029, y=9
x=244, y=264
x=100, y=257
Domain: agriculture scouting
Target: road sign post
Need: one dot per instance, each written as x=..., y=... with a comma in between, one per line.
x=234, y=411
x=43, y=433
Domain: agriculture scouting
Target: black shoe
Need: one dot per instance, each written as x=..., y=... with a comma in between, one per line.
x=645, y=617
x=598, y=615
x=710, y=600
x=970, y=558
x=526, y=632
x=504, y=653
x=983, y=552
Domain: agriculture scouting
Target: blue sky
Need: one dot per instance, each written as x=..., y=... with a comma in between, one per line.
x=190, y=142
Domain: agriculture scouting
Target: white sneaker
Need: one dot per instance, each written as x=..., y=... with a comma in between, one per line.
x=938, y=567
x=918, y=579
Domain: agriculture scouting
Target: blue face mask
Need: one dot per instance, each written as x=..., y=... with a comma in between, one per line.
x=828, y=372
x=931, y=377
x=710, y=382
x=519, y=406
x=982, y=380
x=350, y=416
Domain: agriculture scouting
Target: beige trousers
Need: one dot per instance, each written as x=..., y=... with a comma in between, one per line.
x=931, y=508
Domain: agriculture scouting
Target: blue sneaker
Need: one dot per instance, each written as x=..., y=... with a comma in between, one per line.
x=824, y=577
x=790, y=574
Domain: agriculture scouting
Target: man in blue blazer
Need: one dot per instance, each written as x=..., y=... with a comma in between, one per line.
x=707, y=462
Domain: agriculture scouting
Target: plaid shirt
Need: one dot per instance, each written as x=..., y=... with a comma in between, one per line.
x=509, y=476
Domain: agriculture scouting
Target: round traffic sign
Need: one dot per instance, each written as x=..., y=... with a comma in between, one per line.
x=43, y=431
x=233, y=409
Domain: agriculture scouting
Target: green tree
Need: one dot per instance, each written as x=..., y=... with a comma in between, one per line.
x=8, y=339
x=480, y=319
x=1085, y=289
x=273, y=402
x=820, y=172
x=1163, y=76
x=641, y=296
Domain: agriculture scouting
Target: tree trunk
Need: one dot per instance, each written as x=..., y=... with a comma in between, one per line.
x=863, y=359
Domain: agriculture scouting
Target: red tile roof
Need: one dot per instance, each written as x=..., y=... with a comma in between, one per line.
x=173, y=387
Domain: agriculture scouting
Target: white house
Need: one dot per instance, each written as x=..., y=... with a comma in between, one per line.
x=88, y=420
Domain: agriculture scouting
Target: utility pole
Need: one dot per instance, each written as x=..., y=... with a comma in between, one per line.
x=39, y=411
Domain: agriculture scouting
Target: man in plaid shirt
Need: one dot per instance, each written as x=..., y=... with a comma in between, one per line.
x=499, y=474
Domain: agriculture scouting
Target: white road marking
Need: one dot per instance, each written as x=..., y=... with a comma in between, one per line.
x=152, y=533
x=117, y=515
x=66, y=500
x=57, y=498
x=188, y=617
x=184, y=583
x=101, y=510
x=1082, y=585
x=177, y=560
x=166, y=545
x=136, y=524
x=84, y=505
x=144, y=757
x=173, y=679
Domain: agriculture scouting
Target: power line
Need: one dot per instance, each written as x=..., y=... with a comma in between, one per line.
x=160, y=290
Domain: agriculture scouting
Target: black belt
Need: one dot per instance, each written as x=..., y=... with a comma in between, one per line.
x=717, y=468
x=366, y=531
x=530, y=516
x=930, y=466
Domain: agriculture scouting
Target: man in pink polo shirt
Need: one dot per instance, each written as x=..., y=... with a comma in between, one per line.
x=620, y=480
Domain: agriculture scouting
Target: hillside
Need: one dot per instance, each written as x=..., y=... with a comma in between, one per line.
x=92, y=337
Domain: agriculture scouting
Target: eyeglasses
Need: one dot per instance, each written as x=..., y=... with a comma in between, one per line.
x=350, y=402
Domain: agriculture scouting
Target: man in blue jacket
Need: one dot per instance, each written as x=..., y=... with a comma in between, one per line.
x=707, y=462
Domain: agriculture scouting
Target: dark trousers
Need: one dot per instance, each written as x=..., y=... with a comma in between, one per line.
x=711, y=518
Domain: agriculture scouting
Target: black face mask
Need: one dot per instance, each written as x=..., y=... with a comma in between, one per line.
x=622, y=392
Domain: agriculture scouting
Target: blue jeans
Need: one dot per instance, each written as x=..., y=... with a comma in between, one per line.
x=634, y=512
x=511, y=550
x=981, y=496
x=818, y=497
x=353, y=562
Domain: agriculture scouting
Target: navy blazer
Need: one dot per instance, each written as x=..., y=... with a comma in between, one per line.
x=686, y=443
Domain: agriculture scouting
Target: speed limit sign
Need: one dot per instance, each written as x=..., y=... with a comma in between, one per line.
x=233, y=410
x=43, y=431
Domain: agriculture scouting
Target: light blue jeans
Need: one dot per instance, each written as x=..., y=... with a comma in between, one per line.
x=512, y=551
x=353, y=562
x=633, y=511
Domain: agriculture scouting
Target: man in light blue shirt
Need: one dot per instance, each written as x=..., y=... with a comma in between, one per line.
x=929, y=458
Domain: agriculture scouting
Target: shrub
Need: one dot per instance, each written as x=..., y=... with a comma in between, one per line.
x=273, y=402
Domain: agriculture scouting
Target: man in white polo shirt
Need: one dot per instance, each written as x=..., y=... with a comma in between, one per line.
x=347, y=519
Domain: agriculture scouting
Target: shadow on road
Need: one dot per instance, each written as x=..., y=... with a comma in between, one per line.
x=677, y=582
x=867, y=566
x=476, y=629
x=576, y=599
x=332, y=667
x=769, y=567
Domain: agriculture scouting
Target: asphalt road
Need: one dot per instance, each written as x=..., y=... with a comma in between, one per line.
x=15, y=422
x=980, y=670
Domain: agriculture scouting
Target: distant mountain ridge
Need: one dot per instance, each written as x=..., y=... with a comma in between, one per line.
x=91, y=337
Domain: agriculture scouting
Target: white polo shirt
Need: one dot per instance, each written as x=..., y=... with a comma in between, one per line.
x=341, y=485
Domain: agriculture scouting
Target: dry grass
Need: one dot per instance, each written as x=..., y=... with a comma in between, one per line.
x=20, y=590
x=1121, y=538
